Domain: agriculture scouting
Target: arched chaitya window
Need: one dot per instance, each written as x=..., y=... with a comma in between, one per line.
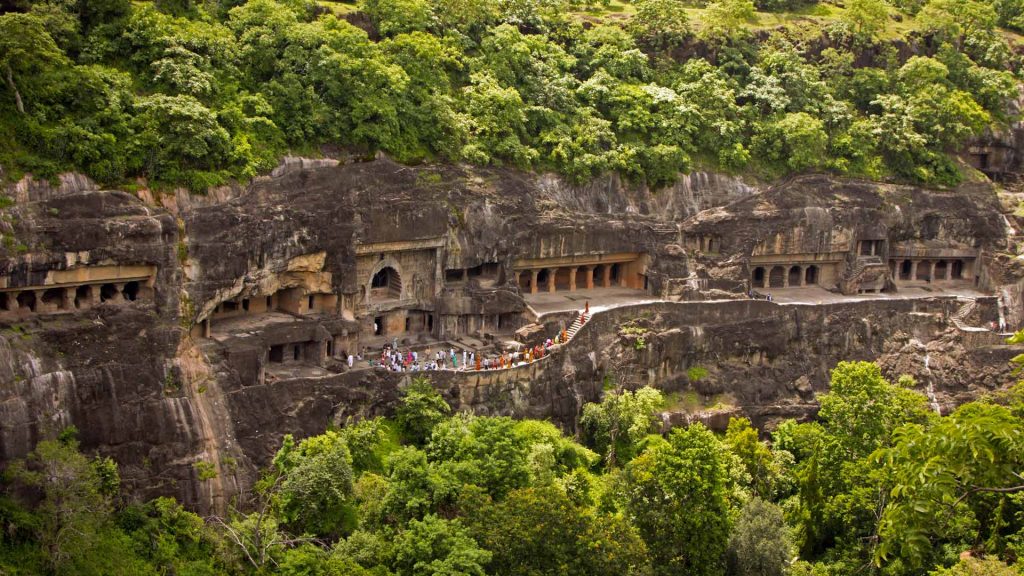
x=386, y=284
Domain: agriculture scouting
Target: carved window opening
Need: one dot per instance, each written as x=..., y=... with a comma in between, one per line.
x=794, y=276
x=905, y=269
x=54, y=298
x=277, y=354
x=386, y=284
x=27, y=300
x=811, y=275
x=109, y=292
x=758, y=276
x=131, y=291
x=83, y=296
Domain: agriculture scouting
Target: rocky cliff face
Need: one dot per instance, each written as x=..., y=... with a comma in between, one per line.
x=110, y=297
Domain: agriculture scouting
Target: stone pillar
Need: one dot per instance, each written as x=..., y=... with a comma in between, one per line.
x=949, y=270
x=931, y=270
x=465, y=274
x=606, y=276
x=206, y=328
x=590, y=277
x=552, y=272
x=785, y=277
x=533, y=281
x=572, y=278
x=68, y=300
x=515, y=277
x=913, y=269
x=803, y=276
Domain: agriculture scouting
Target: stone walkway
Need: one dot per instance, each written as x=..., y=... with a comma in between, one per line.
x=818, y=295
x=600, y=299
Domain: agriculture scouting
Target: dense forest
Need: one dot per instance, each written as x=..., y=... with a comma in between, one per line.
x=190, y=93
x=879, y=484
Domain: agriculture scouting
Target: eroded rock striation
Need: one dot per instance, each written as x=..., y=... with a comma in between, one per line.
x=184, y=336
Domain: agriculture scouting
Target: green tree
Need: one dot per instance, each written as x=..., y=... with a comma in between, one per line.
x=866, y=18
x=741, y=439
x=966, y=464
x=677, y=496
x=436, y=546
x=420, y=410
x=616, y=425
x=27, y=51
x=660, y=24
x=723, y=18
x=521, y=533
x=759, y=544
x=394, y=17
x=316, y=488
x=75, y=515
x=797, y=141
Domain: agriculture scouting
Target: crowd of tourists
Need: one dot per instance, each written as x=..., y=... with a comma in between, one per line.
x=394, y=359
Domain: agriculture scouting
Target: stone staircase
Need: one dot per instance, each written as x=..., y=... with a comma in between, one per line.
x=574, y=327
x=865, y=270
x=959, y=317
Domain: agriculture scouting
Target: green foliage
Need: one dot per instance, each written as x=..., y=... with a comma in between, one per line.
x=759, y=544
x=316, y=484
x=616, y=426
x=878, y=485
x=196, y=94
x=422, y=407
x=965, y=465
x=677, y=497
x=660, y=24
x=437, y=546
x=519, y=532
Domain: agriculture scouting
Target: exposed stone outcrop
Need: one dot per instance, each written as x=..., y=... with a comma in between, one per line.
x=212, y=326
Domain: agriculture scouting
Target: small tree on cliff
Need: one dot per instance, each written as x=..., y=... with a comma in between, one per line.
x=616, y=426
x=422, y=407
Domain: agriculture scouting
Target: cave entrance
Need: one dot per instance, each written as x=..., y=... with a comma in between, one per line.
x=83, y=296
x=108, y=292
x=905, y=269
x=277, y=354
x=378, y=326
x=758, y=277
x=53, y=299
x=27, y=299
x=958, y=269
x=777, y=277
x=795, y=275
x=811, y=275
x=131, y=292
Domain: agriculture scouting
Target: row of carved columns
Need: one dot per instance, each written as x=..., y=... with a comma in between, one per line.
x=56, y=299
x=926, y=270
x=549, y=282
x=782, y=276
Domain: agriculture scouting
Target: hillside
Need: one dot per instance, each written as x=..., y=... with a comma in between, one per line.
x=197, y=94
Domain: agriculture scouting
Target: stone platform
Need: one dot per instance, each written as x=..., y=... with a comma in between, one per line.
x=819, y=295
x=600, y=299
